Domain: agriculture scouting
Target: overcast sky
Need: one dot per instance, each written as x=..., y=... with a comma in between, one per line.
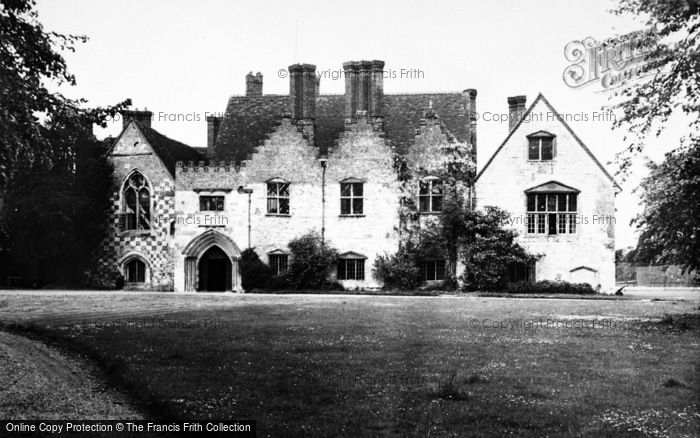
x=185, y=58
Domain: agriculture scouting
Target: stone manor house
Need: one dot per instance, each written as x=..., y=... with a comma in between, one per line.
x=278, y=166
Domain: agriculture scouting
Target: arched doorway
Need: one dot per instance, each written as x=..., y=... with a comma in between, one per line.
x=211, y=263
x=214, y=271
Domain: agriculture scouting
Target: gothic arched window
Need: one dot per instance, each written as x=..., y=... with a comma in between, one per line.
x=137, y=203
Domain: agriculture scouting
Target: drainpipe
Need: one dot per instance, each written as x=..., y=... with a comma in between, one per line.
x=249, y=192
x=324, y=162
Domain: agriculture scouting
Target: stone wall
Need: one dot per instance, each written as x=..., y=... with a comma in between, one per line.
x=505, y=179
x=361, y=153
x=132, y=152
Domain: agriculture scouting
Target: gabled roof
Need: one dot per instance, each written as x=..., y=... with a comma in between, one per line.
x=563, y=122
x=168, y=150
x=248, y=120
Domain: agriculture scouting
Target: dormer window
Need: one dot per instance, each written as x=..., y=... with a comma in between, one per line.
x=540, y=146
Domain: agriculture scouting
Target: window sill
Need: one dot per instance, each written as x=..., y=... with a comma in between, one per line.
x=549, y=236
x=351, y=215
x=540, y=161
x=278, y=215
x=429, y=213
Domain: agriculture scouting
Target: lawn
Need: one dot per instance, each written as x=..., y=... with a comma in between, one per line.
x=388, y=366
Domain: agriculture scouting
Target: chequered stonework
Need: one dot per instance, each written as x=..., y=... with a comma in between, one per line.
x=153, y=246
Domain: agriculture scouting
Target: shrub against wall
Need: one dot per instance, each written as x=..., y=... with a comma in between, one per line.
x=398, y=271
x=550, y=287
x=254, y=273
x=487, y=248
x=103, y=278
x=480, y=237
x=312, y=262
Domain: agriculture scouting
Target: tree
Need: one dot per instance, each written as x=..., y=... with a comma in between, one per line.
x=488, y=248
x=30, y=59
x=670, y=222
x=672, y=80
x=620, y=256
x=55, y=216
x=312, y=262
x=55, y=179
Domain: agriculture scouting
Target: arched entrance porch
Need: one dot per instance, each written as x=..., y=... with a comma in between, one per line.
x=211, y=263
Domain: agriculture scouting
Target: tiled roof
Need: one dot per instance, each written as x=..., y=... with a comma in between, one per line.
x=170, y=151
x=248, y=120
x=403, y=113
x=246, y=123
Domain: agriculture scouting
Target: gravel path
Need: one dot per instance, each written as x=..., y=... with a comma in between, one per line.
x=41, y=383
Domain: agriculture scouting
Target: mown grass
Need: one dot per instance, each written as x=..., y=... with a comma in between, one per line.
x=387, y=366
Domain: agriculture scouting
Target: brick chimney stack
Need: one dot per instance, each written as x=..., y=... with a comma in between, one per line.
x=376, y=88
x=350, y=73
x=213, y=124
x=143, y=117
x=364, y=87
x=302, y=91
x=516, y=110
x=254, y=84
x=470, y=95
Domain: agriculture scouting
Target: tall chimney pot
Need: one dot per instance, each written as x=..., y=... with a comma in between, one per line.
x=213, y=124
x=254, y=84
x=516, y=110
x=302, y=91
x=364, y=87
